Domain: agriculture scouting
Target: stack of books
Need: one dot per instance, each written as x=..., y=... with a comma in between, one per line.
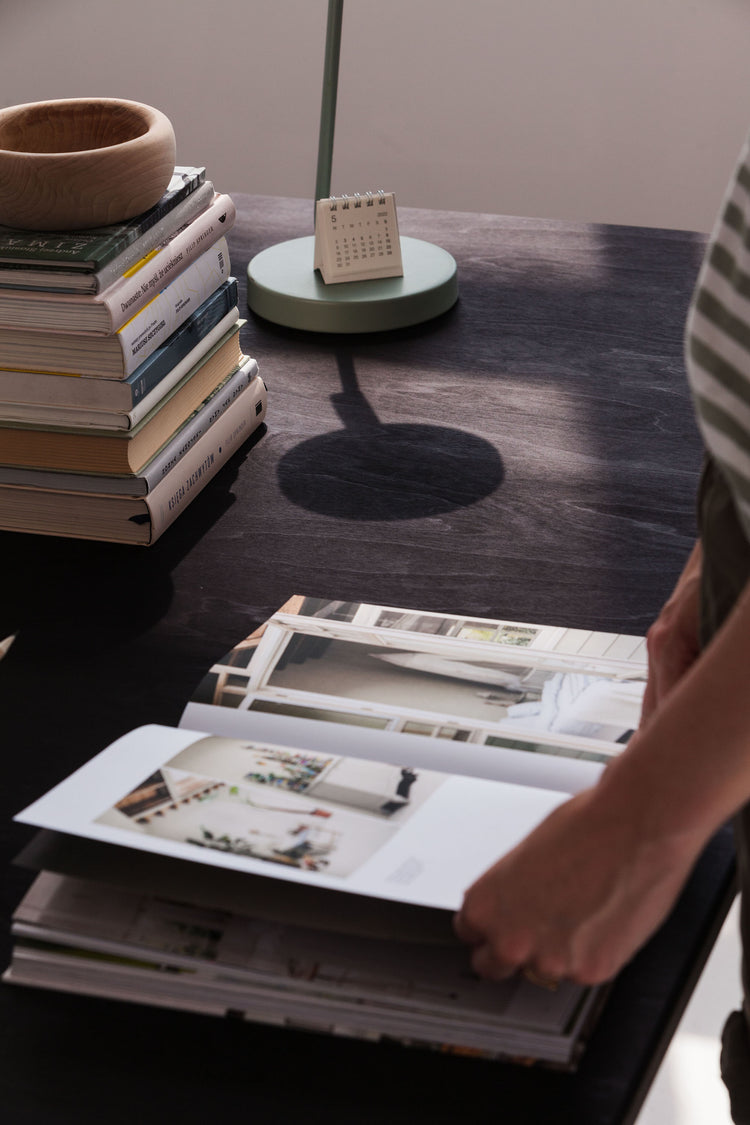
x=123, y=386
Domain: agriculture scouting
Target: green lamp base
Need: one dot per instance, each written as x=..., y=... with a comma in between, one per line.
x=283, y=287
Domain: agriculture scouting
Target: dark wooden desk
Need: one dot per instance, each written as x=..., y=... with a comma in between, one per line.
x=532, y=454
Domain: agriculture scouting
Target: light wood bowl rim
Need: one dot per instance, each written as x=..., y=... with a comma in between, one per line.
x=152, y=117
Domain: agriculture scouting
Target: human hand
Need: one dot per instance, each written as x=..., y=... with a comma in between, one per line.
x=577, y=898
x=673, y=640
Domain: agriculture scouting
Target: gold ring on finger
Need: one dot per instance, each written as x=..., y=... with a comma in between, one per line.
x=549, y=983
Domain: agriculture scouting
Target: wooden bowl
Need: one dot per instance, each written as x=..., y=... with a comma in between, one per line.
x=82, y=162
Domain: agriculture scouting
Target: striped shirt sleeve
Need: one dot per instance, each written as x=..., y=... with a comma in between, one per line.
x=717, y=341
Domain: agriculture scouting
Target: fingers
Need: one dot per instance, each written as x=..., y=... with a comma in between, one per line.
x=484, y=961
x=489, y=966
x=500, y=960
x=650, y=699
x=464, y=931
x=485, y=964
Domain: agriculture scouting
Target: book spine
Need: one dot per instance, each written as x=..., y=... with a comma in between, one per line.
x=166, y=227
x=215, y=340
x=132, y=292
x=212, y=312
x=155, y=471
x=99, y=418
x=196, y=426
x=35, y=389
x=183, y=182
x=157, y=468
x=210, y=340
x=142, y=335
x=234, y=425
x=107, y=312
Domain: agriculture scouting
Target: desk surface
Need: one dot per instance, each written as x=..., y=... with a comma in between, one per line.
x=531, y=454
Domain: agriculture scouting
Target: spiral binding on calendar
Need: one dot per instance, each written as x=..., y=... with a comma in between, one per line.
x=356, y=237
x=358, y=199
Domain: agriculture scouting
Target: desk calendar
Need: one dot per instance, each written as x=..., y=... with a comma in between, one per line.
x=356, y=238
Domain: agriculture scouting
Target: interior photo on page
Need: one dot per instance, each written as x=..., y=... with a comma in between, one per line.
x=465, y=683
x=368, y=827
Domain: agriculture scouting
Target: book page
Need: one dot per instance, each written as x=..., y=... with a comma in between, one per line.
x=370, y=973
x=527, y=703
x=371, y=828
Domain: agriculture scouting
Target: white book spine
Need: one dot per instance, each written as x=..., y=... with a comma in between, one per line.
x=193, y=206
x=177, y=374
x=223, y=438
x=158, y=320
x=131, y=293
x=108, y=311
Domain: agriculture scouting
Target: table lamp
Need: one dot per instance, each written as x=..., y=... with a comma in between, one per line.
x=283, y=286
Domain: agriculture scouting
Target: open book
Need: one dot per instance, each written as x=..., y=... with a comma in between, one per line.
x=293, y=853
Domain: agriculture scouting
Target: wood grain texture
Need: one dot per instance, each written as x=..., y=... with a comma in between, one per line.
x=82, y=162
x=564, y=357
x=531, y=454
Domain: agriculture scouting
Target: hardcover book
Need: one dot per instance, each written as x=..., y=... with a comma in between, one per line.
x=294, y=851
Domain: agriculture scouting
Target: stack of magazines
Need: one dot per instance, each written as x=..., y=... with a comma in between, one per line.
x=293, y=853
x=123, y=387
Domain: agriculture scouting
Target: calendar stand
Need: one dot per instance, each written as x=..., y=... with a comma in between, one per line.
x=283, y=286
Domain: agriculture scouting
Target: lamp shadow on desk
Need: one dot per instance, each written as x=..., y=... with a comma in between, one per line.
x=373, y=470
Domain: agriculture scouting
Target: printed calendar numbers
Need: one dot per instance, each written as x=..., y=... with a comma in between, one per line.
x=356, y=237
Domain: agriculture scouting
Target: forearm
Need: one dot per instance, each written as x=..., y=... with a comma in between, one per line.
x=688, y=768
x=673, y=639
x=692, y=567
x=592, y=882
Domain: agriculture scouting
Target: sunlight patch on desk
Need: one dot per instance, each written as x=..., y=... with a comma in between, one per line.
x=694, y=1081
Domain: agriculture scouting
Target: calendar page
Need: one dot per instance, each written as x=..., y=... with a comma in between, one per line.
x=356, y=237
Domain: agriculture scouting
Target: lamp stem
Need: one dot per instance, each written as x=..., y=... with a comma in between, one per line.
x=328, y=103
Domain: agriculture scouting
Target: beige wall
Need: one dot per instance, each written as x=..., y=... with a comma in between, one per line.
x=629, y=113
